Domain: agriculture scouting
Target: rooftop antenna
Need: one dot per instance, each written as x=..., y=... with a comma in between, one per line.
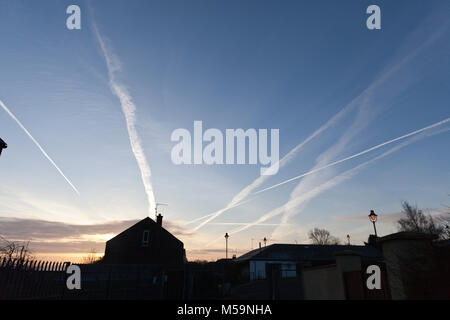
x=156, y=208
x=252, y=242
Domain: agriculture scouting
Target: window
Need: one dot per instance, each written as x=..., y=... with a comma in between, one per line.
x=145, y=238
x=288, y=270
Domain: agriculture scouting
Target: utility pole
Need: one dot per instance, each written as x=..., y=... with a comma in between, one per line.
x=226, y=245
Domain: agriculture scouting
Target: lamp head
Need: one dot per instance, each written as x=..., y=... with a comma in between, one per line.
x=373, y=216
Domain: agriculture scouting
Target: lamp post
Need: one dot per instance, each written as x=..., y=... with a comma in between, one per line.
x=348, y=239
x=226, y=245
x=373, y=217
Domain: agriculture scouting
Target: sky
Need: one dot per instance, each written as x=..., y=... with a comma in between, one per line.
x=97, y=107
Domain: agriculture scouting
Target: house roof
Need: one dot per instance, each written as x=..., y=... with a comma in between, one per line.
x=306, y=252
x=406, y=235
x=151, y=223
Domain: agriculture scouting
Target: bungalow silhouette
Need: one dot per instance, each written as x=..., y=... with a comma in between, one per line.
x=146, y=242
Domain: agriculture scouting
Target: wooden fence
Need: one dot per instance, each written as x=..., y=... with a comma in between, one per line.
x=43, y=280
x=31, y=279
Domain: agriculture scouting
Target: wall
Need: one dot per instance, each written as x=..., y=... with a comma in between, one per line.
x=323, y=283
x=327, y=282
x=415, y=268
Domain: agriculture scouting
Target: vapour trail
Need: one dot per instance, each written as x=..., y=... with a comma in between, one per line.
x=234, y=204
x=200, y=218
x=129, y=111
x=355, y=155
x=299, y=200
x=292, y=211
x=305, y=197
x=244, y=224
x=237, y=200
x=38, y=145
x=349, y=107
x=437, y=124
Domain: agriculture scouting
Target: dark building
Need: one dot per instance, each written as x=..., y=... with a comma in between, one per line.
x=146, y=242
x=254, y=264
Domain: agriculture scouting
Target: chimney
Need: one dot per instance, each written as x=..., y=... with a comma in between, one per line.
x=159, y=220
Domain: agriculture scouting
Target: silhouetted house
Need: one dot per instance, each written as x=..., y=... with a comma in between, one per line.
x=292, y=257
x=146, y=242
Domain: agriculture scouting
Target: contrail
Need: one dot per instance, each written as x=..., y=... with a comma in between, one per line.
x=38, y=145
x=290, y=212
x=297, y=201
x=238, y=199
x=305, y=197
x=355, y=155
x=258, y=181
x=129, y=110
x=198, y=219
x=350, y=106
x=245, y=223
x=280, y=210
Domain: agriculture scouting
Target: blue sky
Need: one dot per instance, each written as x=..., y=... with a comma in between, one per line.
x=289, y=65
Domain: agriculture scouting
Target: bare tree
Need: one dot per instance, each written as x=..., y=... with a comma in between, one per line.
x=14, y=250
x=416, y=221
x=91, y=257
x=322, y=237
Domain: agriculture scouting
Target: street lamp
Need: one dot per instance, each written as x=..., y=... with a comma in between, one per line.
x=373, y=217
x=226, y=245
x=348, y=239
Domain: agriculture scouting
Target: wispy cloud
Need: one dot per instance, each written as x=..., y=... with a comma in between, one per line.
x=363, y=102
x=238, y=199
x=302, y=188
x=51, y=236
x=297, y=203
x=129, y=111
x=305, y=185
x=245, y=192
x=38, y=145
x=391, y=217
x=320, y=168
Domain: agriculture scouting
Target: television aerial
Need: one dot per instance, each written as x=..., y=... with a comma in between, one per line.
x=156, y=208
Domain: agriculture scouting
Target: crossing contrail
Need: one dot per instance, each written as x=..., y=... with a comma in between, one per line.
x=234, y=204
x=238, y=198
x=437, y=124
x=295, y=203
x=354, y=104
x=38, y=145
x=129, y=110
